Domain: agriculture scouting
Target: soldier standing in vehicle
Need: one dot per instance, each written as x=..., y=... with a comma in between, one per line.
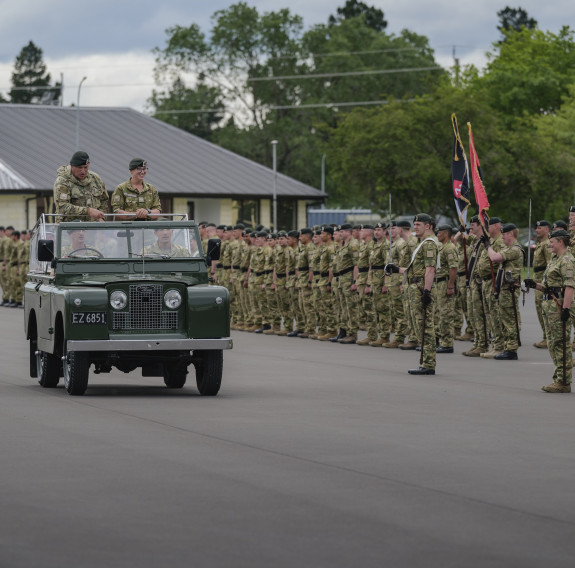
x=80, y=194
x=136, y=199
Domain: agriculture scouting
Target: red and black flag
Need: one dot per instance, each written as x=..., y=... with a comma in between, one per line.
x=459, y=174
x=478, y=185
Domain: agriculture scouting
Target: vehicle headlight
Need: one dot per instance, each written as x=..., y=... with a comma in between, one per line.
x=172, y=299
x=118, y=300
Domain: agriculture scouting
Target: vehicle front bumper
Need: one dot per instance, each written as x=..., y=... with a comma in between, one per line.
x=149, y=344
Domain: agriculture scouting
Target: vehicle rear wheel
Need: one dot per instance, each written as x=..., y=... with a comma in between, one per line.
x=33, y=346
x=48, y=369
x=76, y=371
x=209, y=367
x=175, y=375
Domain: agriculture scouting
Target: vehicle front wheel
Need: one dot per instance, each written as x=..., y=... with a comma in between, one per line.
x=48, y=369
x=175, y=375
x=76, y=371
x=209, y=367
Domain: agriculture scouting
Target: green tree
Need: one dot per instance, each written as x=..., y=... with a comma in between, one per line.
x=514, y=19
x=530, y=72
x=30, y=76
x=374, y=17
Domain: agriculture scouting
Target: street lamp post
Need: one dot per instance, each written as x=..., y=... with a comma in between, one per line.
x=275, y=199
x=78, y=115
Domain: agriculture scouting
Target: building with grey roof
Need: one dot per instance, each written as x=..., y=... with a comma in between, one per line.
x=192, y=175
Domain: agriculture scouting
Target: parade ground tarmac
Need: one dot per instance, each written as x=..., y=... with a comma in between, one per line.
x=312, y=455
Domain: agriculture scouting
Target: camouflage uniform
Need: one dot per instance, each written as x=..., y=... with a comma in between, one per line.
x=129, y=199
x=303, y=284
x=4, y=243
x=347, y=260
x=405, y=259
x=175, y=250
x=541, y=258
x=314, y=262
x=365, y=303
x=376, y=281
x=445, y=304
x=293, y=292
x=282, y=293
x=461, y=308
x=425, y=256
x=273, y=316
x=395, y=294
x=236, y=281
x=475, y=302
x=328, y=321
x=73, y=197
x=558, y=274
x=256, y=279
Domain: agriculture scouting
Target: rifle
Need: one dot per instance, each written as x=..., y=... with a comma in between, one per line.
x=424, y=321
x=389, y=230
x=564, y=324
x=524, y=289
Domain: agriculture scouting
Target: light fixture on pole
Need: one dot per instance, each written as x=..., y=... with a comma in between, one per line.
x=275, y=199
x=78, y=115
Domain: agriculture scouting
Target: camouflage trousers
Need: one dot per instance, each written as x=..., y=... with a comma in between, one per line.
x=508, y=310
x=478, y=317
x=382, y=308
x=444, y=314
x=368, y=309
x=258, y=301
x=461, y=309
x=397, y=313
x=554, y=334
x=274, y=318
x=491, y=306
x=539, y=310
x=428, y=346
x=297, y=315
x=328, y=320
x=339, y=305
x=283, y=300
x=349, y=304
x=4, y=283
x=235, y=299
x=307, y=309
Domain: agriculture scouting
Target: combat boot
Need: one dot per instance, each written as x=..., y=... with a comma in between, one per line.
x=342, y=333
x=272, y=331
x=541, y=344
x=282, y=332
x=365, y=341
x=328, y=336
x=378, y=342
x=465, y=337
x=490, y=354
x=557, y=387
x=392, y=344
x=408, y=346
x=475, y=352
x=348, y=340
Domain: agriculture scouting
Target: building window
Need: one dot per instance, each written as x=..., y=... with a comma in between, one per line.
x=246, y=211
x=166, y=203
x=287, y=214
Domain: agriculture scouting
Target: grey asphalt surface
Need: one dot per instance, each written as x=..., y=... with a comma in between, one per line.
x=312, y=455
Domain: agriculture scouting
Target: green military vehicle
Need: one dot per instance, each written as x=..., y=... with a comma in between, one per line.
x=124, y=294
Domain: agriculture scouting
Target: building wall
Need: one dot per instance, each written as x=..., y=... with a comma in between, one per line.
x=301, y=214
x=13, y=211
x=266, y=213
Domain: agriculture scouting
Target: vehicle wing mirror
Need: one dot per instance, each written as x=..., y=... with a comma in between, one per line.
x=213, y=252
x=45, y=250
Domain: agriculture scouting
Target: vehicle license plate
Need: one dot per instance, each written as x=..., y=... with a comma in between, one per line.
x=89, y=317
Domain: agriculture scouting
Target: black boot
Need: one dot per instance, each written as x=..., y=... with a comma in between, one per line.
x=421, y=371
x=342, y=333
x=507, y=355
x=294, y=333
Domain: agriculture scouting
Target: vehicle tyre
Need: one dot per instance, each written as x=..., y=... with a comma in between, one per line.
x=33, y=361
x=175, y=375
x=76, y=372
x=48, y=369
x=209, y=367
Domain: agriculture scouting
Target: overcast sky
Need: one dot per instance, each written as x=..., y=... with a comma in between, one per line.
x=110, y=41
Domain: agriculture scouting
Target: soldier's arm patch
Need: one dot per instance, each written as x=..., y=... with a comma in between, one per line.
x=64, y=196
x=430, y=254
x=116, y=198
x=569, y=273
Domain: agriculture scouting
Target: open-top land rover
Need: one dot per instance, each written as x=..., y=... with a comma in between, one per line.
x=124, y=294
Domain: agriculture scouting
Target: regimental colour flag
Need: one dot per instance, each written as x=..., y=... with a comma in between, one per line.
x=478, y=185
x=459, y=174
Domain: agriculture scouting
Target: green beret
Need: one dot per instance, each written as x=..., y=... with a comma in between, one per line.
x=572, y=209
x=306, y=231
x=560, y=233
x=474, y=219
x=560, y=224
x=367, y=227
x=422, y=218
x=543, y=223
x=357, y=227
x=239, y=226
x=327, y=230
x=79, y=158
x=137, y=163
x=508, y=227
x=345, y=227
x=392, y=224
x=282, y=234
x=404, y=224
x=294, y=234
x=444, y=227
x=221, y=227
x=380, y=226
x=494, y=220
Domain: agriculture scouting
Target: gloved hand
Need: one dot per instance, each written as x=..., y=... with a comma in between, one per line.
x=426, y=298
x=485, y=240
x=462, y=229
x=529, y=283
x=390, y=268
x=565, y=314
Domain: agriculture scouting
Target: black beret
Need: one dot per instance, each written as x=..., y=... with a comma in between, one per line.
x=293, y=234
x=560, y=233
x=474, y=219
x=572, y=209
x=317, y=233
x=404, y=224
x=239, y=226
x=282, y=234
x=261, y=234
x=356, y=227
x=137, y=163
x=79, y=158
x=454, y=230
x=560, y=224
x=345, y=227
x=327, y=230
x=221, y=227
x=306, y=231
x=380, y=225
x=444, y=227
x=367, y=226
x=543, y=223
x=494, y=220
x=422, y=218
x=393, y=224
x=508, y=227
x=259, y=227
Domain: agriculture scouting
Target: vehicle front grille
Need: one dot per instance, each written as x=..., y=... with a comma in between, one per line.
x=145, y=305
